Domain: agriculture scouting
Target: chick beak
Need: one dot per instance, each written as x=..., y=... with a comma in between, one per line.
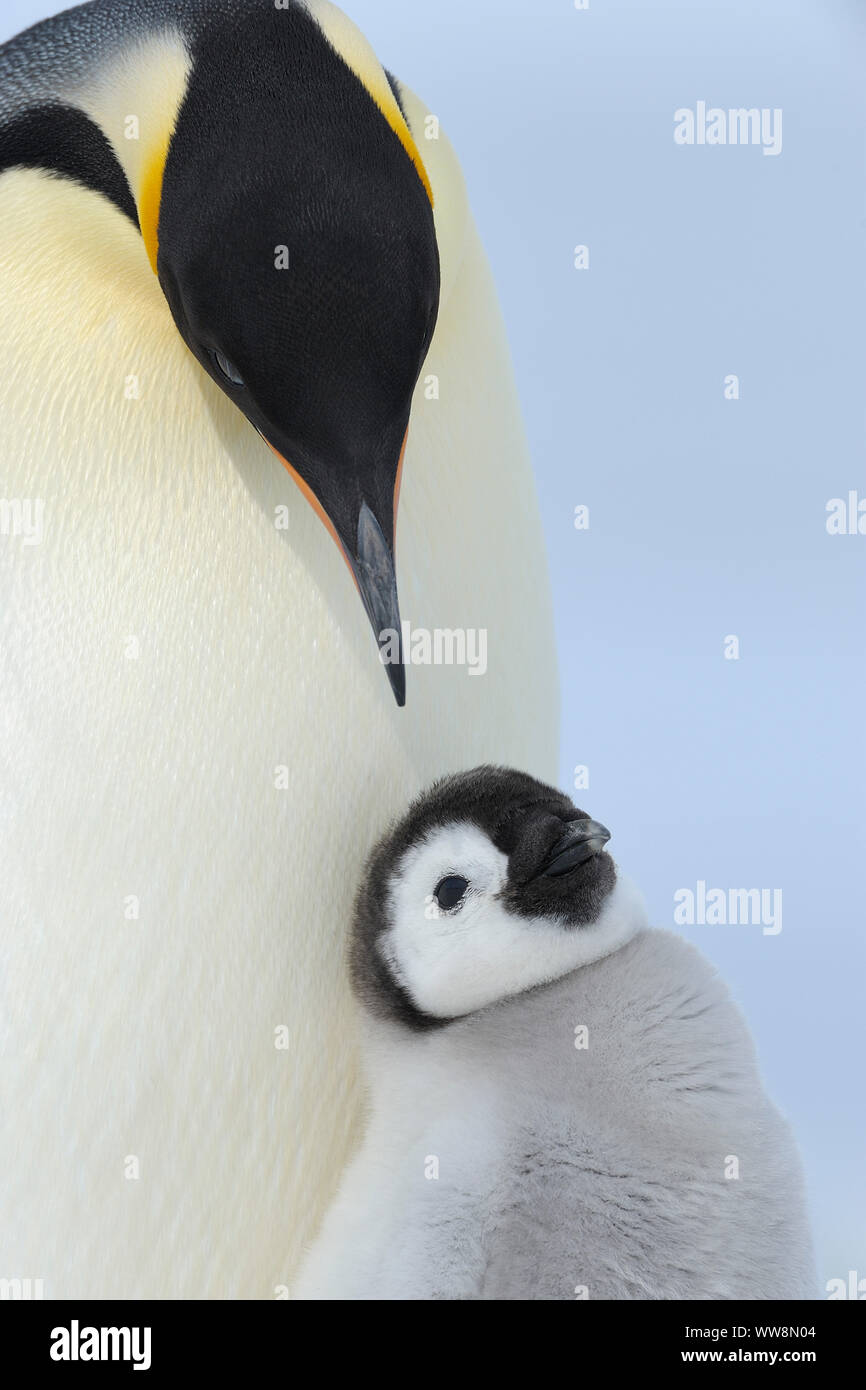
x=582, y=840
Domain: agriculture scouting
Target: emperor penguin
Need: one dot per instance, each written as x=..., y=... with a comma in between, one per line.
x=563, y=1103
x=244, y=310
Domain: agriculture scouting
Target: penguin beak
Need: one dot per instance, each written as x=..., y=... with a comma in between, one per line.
x=373, y=572
x=582, y=841
x=371, y=564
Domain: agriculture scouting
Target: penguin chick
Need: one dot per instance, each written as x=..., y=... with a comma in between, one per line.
x=562, y=1103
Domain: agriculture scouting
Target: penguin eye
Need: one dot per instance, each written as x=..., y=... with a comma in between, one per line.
x=449, y=891
x=228, y=369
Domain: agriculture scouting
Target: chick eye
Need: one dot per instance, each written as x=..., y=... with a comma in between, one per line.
x=449, y=891
x=228, y=369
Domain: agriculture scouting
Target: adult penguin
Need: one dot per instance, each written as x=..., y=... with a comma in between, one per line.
x=199, y=741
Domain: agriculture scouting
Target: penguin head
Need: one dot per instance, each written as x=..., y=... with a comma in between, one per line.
x=491, y=884
x=296, y=248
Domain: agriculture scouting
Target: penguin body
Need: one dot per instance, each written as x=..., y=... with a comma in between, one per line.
x=199, y=743
x=563, y=1103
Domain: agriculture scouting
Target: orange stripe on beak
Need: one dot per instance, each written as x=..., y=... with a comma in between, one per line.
x=316, y=506
x=320, y=510
x=397, y=481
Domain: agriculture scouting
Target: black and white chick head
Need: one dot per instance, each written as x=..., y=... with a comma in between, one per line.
x=491, y=884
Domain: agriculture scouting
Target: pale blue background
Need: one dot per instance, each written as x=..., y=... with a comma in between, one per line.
x=707, y=516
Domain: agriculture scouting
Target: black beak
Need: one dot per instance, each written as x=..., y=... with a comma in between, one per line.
x=582, y=840
x=373, y=568
x=371, y=561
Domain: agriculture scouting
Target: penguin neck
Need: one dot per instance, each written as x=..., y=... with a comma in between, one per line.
x=405, y=1070
x=402, y=1061
x=135, y=100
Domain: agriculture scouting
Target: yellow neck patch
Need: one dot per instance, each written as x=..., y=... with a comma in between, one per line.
x=357, y=54
x=135, y=98
x=149, y=195
x=404, y=135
